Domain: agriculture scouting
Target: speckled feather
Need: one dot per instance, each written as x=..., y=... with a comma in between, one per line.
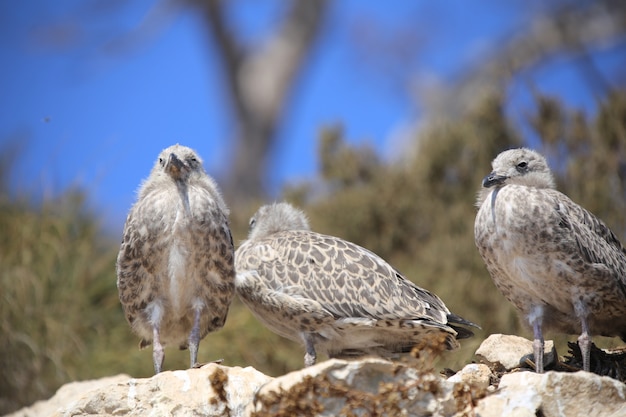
x=176, y=255
x=351, y=300
x=546, y=253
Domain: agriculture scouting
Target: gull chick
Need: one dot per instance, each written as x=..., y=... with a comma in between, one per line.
x=332, y=295
x=556, y=262
x=175, y=267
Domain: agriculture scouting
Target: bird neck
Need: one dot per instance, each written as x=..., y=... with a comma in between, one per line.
x=183, y=192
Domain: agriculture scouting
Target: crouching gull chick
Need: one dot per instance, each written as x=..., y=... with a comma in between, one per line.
x=175, y=268
x=556, y=262
x=334, y=296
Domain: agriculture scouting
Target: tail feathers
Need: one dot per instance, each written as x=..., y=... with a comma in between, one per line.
x=462, y=332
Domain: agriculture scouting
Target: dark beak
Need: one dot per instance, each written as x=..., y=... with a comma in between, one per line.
x=493, y=179
x=175, y=166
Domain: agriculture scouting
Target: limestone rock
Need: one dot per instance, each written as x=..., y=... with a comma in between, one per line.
x=339, y=387
x=511, y=351
x=579, y=394
x=212, y=390
x=477, y=375
x=67, y=394
x=364, y=387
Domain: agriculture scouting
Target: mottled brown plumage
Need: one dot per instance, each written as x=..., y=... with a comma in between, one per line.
x=332, y=295
x=175, y=268
x=556, y=262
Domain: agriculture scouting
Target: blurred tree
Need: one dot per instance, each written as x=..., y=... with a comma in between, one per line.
x=58, y=293
x=259, y=75
x=259, y=81
x=590, y=155
x=570, y=31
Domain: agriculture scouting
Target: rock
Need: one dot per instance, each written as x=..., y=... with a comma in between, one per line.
x=512, y=351
x=555, y=394
x=66, y=394
x=477, y=375
x=212, y=390
x=339, y=387
x=365, y=387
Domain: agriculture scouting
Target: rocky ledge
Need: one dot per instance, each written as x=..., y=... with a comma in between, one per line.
x=495, y=387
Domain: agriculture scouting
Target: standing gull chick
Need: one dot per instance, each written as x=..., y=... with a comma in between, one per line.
x=332, y=295
x=556, y=262
x=175, y=272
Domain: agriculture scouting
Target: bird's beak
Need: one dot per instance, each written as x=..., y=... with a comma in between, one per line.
x=493, y=179
x=175, y=166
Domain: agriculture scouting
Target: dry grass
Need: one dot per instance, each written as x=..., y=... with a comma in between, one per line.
x=56, y=296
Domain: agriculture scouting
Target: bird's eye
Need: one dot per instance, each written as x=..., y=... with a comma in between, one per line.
x=522, y=166
x=252, y=223
x=161, y=161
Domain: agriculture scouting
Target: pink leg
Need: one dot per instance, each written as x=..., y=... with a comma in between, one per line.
x=310, y=357
x=158, y=354
x=584, y=343
x=538, y=342
x=194, y=340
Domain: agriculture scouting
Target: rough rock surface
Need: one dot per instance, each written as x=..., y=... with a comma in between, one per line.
x=337, y=387
x=67, y=394
x=477, y=375
x=212, y=390
x=555, y=394
x=512, y=351
x=367, y=387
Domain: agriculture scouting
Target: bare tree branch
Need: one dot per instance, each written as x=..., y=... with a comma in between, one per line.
x=571, y=29
x=259, y=81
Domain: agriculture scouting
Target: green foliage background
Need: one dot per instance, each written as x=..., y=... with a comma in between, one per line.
x=60, y=317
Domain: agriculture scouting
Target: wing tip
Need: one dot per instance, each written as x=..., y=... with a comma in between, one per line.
x=462, y=332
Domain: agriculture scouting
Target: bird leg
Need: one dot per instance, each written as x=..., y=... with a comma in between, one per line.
x=309, y=346
x=584, y=343
x=194, y=339
x=158, y=354
x=538, y=344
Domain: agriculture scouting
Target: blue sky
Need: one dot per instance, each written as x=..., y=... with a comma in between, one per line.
x=98, y=119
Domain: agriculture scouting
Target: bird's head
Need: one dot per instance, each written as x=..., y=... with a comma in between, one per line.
x=274, y=218
x=519, y=166
x=179, y=162
x=522, y=167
